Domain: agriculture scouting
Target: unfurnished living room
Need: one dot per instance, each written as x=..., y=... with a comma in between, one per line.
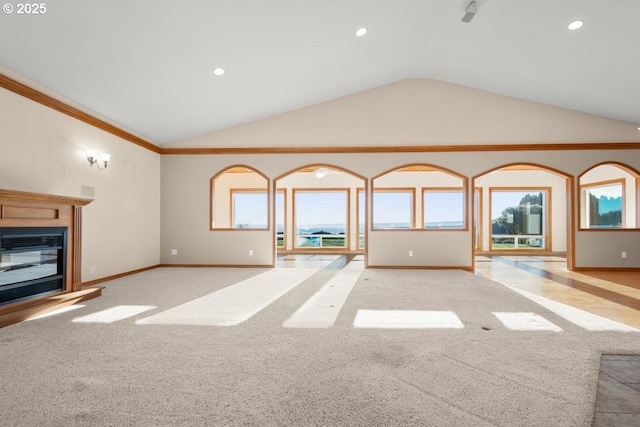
x=320, y=213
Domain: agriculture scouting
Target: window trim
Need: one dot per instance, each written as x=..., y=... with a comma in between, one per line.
x=212, y=188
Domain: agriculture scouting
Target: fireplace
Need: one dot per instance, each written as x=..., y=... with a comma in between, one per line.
x=33, y=262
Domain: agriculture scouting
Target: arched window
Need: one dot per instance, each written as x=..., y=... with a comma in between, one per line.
x=419, y=197
x=239, y=199
x=608, y=197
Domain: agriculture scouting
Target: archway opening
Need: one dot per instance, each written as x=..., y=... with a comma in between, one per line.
x=523, y=209
x=320, y=208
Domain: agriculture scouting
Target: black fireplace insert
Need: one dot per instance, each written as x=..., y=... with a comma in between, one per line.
x=32, y=262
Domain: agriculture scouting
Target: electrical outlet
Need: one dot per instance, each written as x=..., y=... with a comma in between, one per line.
x=174, y=252
x=624, y=254
x=410, y=253
x=92, y=270
x=250, y=252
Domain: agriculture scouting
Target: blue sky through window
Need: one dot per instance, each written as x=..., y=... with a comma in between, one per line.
x=443, y=209
x=250, y=209
x=392, y=209
x=321, y=211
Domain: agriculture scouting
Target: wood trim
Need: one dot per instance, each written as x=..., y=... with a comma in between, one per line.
x=46, y=100
x=570, y=146
x=570, y=196
x=216, y=265
x=314, y=166
x=587, y=269
x=637, y=182
x=117, y=276
x=24, y=196
x=76, y=271
x=24, y=310
x=604, y=183
x=423, y=267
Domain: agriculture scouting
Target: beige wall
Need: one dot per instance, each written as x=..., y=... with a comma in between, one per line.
x=145, y=203
x=410, y=112
x=43, y=151
x=419, y=112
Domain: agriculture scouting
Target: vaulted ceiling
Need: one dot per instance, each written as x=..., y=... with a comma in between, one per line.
x=147, y=65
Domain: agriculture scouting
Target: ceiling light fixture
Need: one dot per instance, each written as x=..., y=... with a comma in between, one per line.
x=575, y=25
x=361, y=31
x=218, y=71
x=471, y=10
x=321, y=173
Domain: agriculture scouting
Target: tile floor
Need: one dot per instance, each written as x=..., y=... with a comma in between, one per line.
x=618, y=395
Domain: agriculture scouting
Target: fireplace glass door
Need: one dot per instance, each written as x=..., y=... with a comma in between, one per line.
x=32, y=262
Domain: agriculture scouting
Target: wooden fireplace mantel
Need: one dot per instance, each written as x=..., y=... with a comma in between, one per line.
x=25, y=209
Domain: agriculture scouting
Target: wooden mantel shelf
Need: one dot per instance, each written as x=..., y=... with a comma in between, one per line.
x=26, y=209
x=25, y=196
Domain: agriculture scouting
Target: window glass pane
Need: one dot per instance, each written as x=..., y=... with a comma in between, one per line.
x=250, y=209
x=280, y=212
x=321, y=218
x=604, y=206
x=443, y=209
x=361, y=218
x=392, y=209
x=518, y=213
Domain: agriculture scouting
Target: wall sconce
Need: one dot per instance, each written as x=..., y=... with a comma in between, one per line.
x=98, y=158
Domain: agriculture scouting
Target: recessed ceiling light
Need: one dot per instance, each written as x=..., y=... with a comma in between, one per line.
x=218, y=71
x=361, y=32
x=575, y=25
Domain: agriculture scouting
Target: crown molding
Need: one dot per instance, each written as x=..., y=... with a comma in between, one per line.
x=48, y=101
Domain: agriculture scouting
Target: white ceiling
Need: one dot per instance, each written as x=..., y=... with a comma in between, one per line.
x=147, y=64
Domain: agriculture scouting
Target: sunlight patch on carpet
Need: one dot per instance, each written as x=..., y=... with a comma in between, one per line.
x=322, y=309
x=407, y=319
x=56, y=312
x=236, y=303
x=526, y=322
x=114, y=314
